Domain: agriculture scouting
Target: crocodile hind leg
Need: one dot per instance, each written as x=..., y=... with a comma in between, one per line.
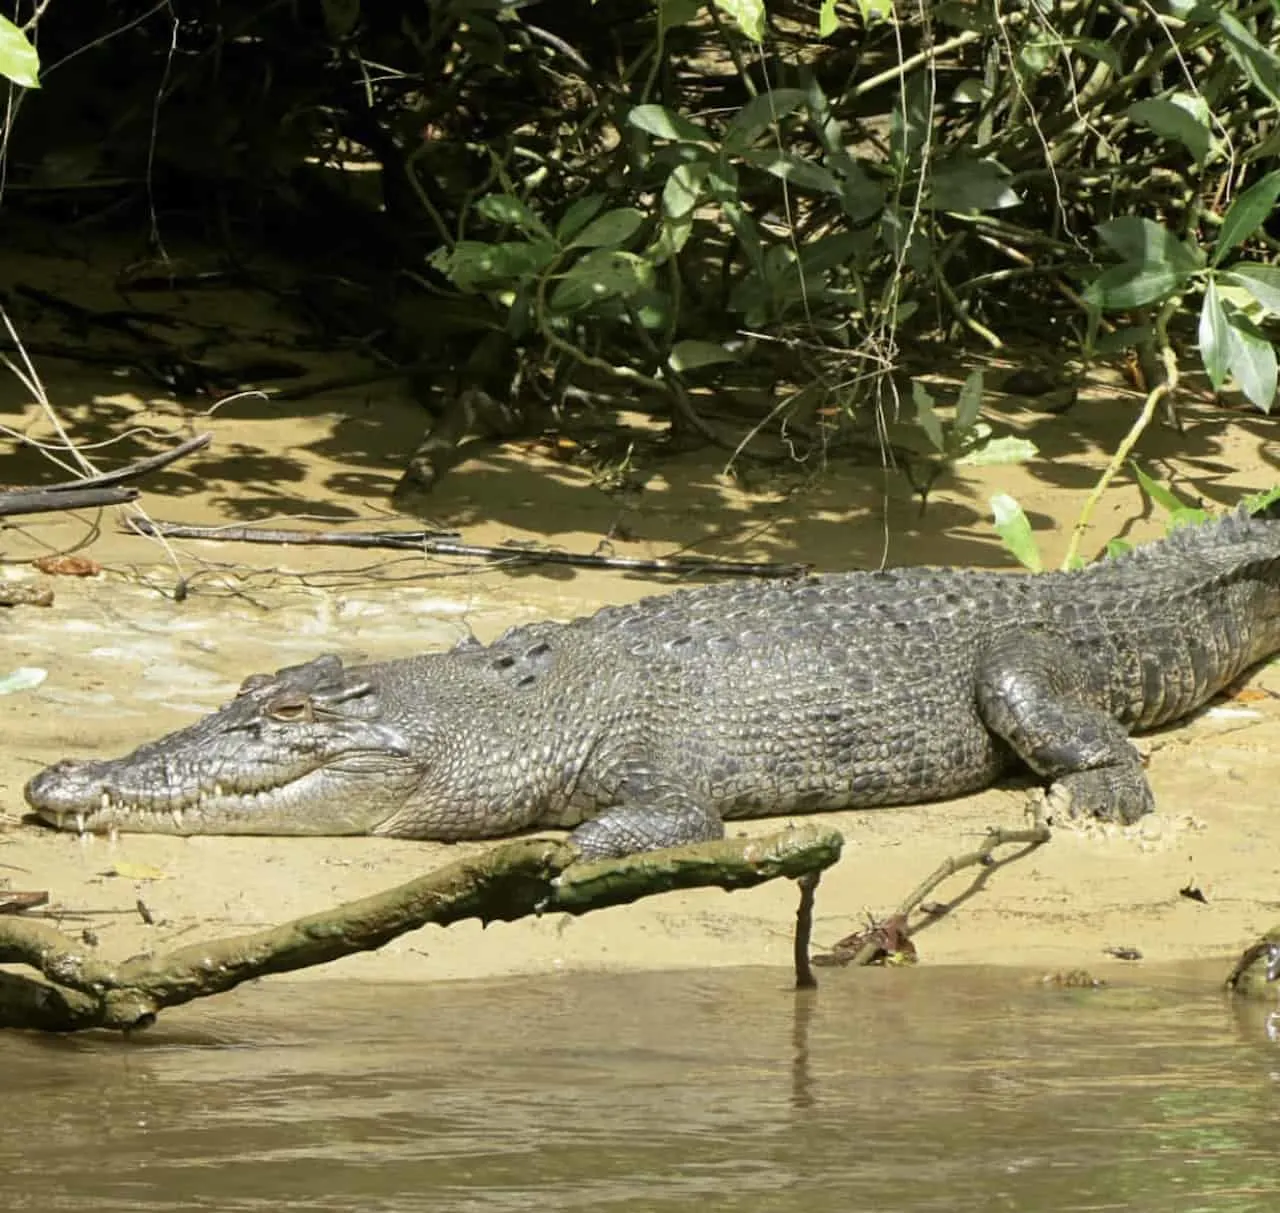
x=1041, y=697
x=652, y=811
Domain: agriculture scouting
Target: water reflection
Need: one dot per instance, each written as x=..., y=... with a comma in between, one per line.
x=928, y=1090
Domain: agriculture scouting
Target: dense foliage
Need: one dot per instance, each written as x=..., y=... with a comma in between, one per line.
x=672, y=194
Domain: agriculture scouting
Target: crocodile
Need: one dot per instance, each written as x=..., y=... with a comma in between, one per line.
x=651, y=724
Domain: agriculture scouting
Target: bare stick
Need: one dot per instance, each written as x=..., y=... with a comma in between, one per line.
x=805, y=980
x=44, y=501
x=133, y=470
x=433, y=544
x=506, y=882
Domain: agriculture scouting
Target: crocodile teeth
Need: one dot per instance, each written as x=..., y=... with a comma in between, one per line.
x=80, y=822
x=175, y=816
x=106, y=802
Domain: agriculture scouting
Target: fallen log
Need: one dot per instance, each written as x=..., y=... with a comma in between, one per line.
x=76, y=991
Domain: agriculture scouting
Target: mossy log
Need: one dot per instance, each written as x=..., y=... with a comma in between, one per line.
x=76, y=990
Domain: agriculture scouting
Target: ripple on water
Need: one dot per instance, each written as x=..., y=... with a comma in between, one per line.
x=931, y=1090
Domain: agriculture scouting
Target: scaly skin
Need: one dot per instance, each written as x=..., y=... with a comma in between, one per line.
x=649, y=725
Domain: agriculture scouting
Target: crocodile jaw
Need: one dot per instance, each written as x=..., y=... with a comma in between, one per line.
x=324, y=800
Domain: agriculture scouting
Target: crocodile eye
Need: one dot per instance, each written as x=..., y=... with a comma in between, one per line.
x=291, y=709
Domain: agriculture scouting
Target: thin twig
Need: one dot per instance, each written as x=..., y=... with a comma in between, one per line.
x=133, y=470
x=433, y=544
x=1030, y=838
x=1159, y=392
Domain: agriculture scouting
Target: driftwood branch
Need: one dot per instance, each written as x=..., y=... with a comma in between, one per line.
x=509, y=881
x=434, y=543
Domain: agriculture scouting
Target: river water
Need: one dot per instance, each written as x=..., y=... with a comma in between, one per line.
x=933, y=1089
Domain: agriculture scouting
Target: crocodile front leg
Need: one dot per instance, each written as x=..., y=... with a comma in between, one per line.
x=652, y=811
x=1041, y=697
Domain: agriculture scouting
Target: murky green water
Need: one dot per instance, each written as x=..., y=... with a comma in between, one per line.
x=927, y=1090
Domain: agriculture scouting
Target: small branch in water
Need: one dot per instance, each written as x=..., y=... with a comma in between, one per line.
x=864, y=947
x=506, y=882
x=436, y=543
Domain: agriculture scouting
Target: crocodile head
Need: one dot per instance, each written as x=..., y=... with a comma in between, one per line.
x=307, y=750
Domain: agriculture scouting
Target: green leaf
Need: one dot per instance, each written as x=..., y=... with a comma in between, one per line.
x=678, y=12
x=1147, y=243
x=747, y=14
x=1036, y=55
x=672, y=237
x=759, y=114
x=474, y=265
x=789, y=167
x=969, y=405
x=690, y=355
x=1256, y=502
x=1006, y=449
x=862, y=197
x=1258, y=63
x=1261, y=281
x=872, y=11
x=1015, y=531
x=965, y=184
x=660, y=121
x=828, y=22
x=1213, y=335
x=511, y=212
x=1097, y=49
x=1171, y=120
x=1251, y=359
x=1132, y=285
x=19, y=60
x=1247, y=214
x=611, y=229
x=579, y=214
x=909, y=121
x=684, y=189
x=1186, y=516
x=830, y=252
x=960, y=15
x=972, y=91
x=1267, y=149
x=603, y=274
x=1161, y=494
x=927, y=416
x=24, y=678
x=1123, y=337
